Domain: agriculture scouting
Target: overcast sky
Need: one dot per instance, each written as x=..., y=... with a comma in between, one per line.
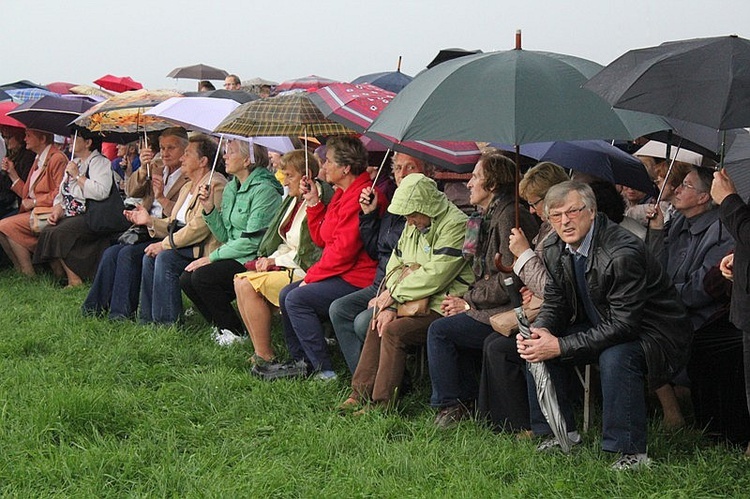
x=80, y=40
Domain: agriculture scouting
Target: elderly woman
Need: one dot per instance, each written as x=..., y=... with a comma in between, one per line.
x=455, y=340
x=185, y=235
x=38, y=191
x=67, y=241
x=286, y=252
x=426, y=266
x=344, y=266
x=117, y=282
x=503, y=399
x=22, y=159
x=250, y=200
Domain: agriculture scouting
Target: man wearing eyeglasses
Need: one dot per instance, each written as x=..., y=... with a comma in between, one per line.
x=606, y=300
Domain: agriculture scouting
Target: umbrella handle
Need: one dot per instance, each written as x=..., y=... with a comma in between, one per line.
x=501, y=266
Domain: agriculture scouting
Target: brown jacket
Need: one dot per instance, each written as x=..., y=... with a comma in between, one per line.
x=139, y=186
x=195, y=233
x=47, y=184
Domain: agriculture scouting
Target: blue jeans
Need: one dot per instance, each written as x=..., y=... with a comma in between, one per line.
x=623, y=372
x=351, y=319
x=454, y=352
x=161, y=296
x=117, y=282
x=303, y=309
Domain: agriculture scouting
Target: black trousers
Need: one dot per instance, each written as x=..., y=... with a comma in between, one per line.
x=211, y=289
x=717, y=377
x=503, y=399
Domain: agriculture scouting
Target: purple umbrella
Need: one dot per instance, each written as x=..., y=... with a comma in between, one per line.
x=50, y=114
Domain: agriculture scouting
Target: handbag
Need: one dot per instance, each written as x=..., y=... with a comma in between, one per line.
x=413, y=308
x=136, y=234
x=38, y=218
x=506, y=322
x=106, y=216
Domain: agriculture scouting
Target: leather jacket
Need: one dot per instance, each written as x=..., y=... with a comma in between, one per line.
x=632, y=294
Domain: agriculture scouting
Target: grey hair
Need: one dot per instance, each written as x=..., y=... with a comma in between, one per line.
x=557, y=193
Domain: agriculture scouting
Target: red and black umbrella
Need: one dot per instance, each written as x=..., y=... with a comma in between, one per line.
x=118, y=83
x=5, y=108
x=357, y=106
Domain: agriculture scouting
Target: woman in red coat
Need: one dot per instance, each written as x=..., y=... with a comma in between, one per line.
x=343, y=268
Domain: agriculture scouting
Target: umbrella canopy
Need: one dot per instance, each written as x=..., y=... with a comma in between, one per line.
x=737, y=164
x=291, y=114
x=60, y=87
x=450, y=54
x=51, y=114
x=198, y=72
x=89, y=90
x=594, y=157
x=118, y=83
x=21, y=95
x=124, y=113
x=393, y=81
x=202, y=114
x=656, y=149
x=236, y=95
x=6, y=120
x=259, y=82
x=17, y=85
x=513, y=97
x=357, y=106
x=703, y=80
x=4, y=95
x=304, y=83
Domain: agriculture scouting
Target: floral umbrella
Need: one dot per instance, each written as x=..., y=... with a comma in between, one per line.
x=125, y=113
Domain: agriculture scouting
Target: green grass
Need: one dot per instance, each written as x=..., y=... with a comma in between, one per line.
x=92, y=408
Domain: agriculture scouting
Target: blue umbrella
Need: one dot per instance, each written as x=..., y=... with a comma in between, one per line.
x=594, y=157
x=393, y=81
x=21, y=95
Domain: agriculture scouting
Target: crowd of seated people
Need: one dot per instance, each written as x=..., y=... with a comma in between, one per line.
x=372, y=274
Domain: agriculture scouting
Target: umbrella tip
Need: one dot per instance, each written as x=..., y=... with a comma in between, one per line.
x=518, y=39
x=398, y=68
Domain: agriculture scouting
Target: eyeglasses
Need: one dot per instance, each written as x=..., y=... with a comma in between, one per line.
x=533, y=204
x=685, y=185
x=572, y=214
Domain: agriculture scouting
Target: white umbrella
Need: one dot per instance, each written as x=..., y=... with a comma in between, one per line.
x=201, y=114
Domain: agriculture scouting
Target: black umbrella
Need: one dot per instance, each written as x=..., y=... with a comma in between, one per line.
x=702, y=139
x=448, y=54
x=236, y=95
x=737, y=164
x=4, y=96
x=198, y=72
x=51, y=114
x=704, y=80
x=21, y=84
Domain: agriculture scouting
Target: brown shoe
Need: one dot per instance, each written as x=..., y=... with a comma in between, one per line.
x=349, y=405
x=448, y=417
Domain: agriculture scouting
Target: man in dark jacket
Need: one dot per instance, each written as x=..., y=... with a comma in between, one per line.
x=735, y=215
x=606, y=299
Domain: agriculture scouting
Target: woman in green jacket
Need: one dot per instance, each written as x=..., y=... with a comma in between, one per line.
x=285, y=254
x=250, y=200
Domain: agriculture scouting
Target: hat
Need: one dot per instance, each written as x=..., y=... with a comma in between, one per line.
x=657, y=149
x=417, y=194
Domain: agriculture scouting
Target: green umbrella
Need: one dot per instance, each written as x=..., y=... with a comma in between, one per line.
x=513, y=97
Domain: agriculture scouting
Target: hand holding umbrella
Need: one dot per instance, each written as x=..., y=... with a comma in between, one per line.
x=309, y=192
x=205, y=196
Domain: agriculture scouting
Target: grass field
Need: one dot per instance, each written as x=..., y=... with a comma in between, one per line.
x=92, y=408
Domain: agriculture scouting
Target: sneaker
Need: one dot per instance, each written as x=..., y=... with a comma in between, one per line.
x=278, y=370
x=189, y=312
x=215, y=333
x=227, y=338
x=632, y=462
x=574, y=438
x=325, y=376
x=448, y=417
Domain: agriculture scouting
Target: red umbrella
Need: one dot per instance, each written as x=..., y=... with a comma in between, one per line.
x=304, y=83
x=7, y=120
x=357, y=106
x=60, y=87
x=118, y=83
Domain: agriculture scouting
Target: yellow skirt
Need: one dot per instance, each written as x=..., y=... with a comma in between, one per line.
x=268, y=284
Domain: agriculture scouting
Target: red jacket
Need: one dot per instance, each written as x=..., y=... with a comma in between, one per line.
x=335, y=228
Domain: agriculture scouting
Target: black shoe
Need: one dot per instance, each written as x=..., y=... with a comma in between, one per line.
x=277, y=370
